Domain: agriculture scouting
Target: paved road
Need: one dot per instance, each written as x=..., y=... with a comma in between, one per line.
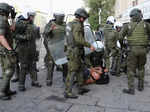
x=101, y=98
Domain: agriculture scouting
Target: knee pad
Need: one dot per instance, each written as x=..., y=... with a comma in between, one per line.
x=9, y=72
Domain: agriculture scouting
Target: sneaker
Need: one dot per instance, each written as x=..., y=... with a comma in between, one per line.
x=70, y=95
x=10, y=93
x=129, y=91
x=3, y=96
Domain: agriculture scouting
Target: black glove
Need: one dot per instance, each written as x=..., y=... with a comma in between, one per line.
x=65, y=48
x=10, y=52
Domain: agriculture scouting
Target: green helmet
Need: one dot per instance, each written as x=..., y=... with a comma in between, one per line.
x=31, y=14
x=59, y=17
x=81, y=13
x=59, y=14
x=5, y=8
x=136, y=13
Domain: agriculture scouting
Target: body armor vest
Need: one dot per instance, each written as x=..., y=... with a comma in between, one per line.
x=138, y=36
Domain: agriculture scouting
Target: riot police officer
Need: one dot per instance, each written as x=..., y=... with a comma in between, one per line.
x=110, y=42
x=75, y=42
x=53, y=30
x=137, y=32
x=116, y=61
x=7, y=53
x=26, y=49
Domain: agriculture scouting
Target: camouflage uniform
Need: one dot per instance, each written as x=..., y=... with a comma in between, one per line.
x=36, y=51
x=137, y=32
x=53, y=30
x=26, y=52
x=17, y=67
x=110, y=40
x=75, y=54
x=8, y=59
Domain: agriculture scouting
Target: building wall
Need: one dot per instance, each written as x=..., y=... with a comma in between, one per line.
x=122, y=5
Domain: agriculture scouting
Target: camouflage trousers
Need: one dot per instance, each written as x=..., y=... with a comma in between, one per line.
x=136, y=60
x=49, y=63
x=112, y=59
x=25, y=68
x=75, y=72
x=17, y=69
x=8, y=68
x=116, y=63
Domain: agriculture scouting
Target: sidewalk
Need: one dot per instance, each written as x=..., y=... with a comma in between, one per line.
x=101, y=98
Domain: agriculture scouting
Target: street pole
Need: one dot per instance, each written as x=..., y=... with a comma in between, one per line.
x=99, y=13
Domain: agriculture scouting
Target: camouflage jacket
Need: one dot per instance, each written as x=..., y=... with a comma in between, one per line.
x=110, y=36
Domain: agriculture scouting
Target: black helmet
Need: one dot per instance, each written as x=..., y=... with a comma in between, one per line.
x=136, y=15
x=5, y=8
x=135, y=12
x=81, y=13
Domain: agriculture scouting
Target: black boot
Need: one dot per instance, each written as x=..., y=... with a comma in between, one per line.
x=64, y=78
x=36, y=84
x=141, y=85
x=49, y=83
x=129, y=91
x=10, y=93
x=37, y=70
x=70, y=95
x=65, y=71
x=4, y=96
x=15, y=80
x=82, y=91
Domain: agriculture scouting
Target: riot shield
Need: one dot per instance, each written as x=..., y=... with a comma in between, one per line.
x=56, y=48
x=89, y=37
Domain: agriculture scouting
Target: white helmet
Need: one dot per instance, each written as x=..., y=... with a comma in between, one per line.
x=111, y=19
x=118, y=24
x=22, y=15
